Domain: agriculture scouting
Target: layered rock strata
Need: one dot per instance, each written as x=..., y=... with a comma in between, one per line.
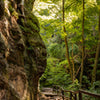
x=22, y=51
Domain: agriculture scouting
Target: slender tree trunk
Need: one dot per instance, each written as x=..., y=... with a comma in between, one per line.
x=73, y=64
x=81, y=74
x=97, y=55
x=66, y=41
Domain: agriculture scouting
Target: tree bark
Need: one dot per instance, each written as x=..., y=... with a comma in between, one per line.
x=66, y=41
x=97, y=55
x=73, y=64
x=81, y=74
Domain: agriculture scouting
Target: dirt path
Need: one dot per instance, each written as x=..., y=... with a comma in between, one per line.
x=49, y=94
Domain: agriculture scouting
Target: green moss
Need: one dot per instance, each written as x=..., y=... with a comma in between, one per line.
x=29, y=5
x=30, y=25
x=14, y=13
x=32, y=42
x=11, y=9
x=26, y=30
x=34, y=19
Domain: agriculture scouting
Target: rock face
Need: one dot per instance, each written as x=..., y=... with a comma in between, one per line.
x=22, y=51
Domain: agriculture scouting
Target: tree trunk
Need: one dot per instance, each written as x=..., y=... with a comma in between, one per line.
x=73, y=64
x=97, y=55
x=66, y=41
x=81, y=74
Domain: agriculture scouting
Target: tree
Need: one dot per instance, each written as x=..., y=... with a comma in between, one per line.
x=73, y=64
x=81, y=74
x=79, y=38
x=97, y=54
x=66, y=41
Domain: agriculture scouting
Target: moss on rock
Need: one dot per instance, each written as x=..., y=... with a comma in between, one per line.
x=22, y=50
x=29, y=24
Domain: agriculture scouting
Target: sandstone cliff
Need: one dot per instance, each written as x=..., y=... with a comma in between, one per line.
x=22, y=51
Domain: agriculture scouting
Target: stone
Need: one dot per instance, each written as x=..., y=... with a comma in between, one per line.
x=1, y=8
x=22, y=53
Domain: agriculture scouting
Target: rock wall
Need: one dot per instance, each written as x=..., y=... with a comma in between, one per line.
x=22, y=51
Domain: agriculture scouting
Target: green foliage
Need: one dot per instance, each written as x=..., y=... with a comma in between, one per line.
x=52, y=33
x=75, y=49
x=56, y=50
x=94, y=89
x=44, y=12
x=49, y=1
x=53, y=74
x=98, y=2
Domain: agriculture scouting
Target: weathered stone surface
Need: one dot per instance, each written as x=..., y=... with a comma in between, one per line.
x=22, y=52
x=1, y=8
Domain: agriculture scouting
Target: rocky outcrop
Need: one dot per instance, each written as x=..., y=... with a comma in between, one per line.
x=22, y=51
